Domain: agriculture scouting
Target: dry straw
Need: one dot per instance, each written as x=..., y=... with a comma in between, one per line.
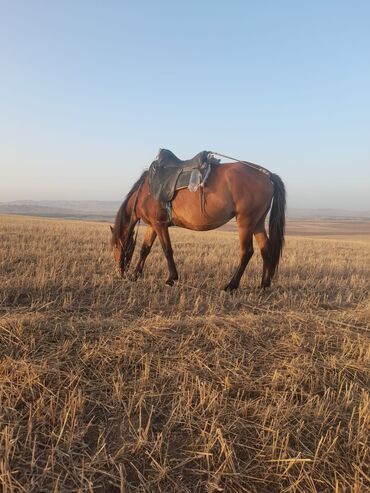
x=108, y=385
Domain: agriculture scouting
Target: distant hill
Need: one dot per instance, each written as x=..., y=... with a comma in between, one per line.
x=327, y=213
x=78, y=209
x=106, y=210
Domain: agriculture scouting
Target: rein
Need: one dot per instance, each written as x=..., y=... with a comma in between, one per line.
x=251, y=165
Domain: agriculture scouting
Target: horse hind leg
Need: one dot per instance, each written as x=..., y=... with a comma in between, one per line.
x=263, y=243
x=246, y=252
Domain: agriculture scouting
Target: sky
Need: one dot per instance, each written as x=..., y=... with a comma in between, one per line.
x=90, y=90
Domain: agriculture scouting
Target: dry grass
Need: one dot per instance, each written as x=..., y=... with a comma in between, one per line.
x=108, y=385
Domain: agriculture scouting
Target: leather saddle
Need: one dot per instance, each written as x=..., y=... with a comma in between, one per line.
x=168, y=173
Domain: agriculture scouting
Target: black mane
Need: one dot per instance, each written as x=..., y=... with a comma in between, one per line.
x=119, y=222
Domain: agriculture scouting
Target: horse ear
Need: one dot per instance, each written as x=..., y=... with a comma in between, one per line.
x=111, y=229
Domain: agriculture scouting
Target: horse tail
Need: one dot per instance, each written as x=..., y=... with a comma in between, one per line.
x=277, y=222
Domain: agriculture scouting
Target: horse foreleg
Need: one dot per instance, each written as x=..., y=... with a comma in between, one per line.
x=149, y=238
x=165, y=241
x=246, y=252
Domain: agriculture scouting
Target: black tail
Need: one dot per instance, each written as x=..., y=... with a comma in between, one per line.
x=277, y=222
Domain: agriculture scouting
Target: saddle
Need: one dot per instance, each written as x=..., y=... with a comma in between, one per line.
x=168, y=173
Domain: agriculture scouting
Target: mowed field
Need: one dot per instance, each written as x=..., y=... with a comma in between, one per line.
x=112, y=386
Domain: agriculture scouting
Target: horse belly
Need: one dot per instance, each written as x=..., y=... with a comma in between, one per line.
x=188, y=212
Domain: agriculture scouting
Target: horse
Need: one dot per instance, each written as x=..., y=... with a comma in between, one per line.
x=233, y=189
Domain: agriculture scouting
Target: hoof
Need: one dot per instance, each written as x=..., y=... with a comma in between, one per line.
x=230, y=287
x=170, y=282
x=265, y=286
x=136, y=275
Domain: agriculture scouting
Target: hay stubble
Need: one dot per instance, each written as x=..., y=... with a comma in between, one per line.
x=108, y=385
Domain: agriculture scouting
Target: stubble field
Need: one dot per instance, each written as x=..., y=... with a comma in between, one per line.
x=113, y=386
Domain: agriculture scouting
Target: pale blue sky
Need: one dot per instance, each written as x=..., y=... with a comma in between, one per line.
x=89, y=90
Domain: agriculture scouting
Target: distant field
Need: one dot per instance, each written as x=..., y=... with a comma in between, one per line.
x=333, y=228
x=112, y=386
x=350, y=229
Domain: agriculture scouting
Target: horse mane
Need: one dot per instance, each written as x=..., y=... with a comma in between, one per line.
x=119, y=222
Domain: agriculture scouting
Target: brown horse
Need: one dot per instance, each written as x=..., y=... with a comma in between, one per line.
x=232, y=190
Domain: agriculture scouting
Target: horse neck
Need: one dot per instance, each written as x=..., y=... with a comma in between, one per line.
x=130, y=216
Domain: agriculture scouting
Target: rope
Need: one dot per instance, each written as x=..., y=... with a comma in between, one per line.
x=251, y=165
